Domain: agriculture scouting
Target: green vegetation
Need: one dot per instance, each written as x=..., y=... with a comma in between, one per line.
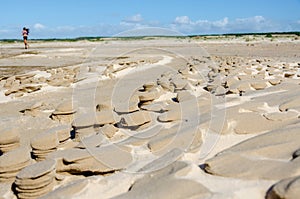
x=265, y=33
x=10, y=40
x=30, y=52
x=269, y=35
x=248, y=39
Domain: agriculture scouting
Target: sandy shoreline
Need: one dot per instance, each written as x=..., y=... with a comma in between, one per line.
x=156, y=118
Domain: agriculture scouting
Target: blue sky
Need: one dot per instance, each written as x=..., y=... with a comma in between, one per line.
x=70, y=18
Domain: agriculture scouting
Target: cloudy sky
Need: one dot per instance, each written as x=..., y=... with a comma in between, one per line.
x=70, y=18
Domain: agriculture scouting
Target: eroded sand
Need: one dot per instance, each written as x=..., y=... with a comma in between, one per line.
x=155, y=118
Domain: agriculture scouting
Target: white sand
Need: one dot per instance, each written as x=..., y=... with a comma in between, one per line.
x=93, y=59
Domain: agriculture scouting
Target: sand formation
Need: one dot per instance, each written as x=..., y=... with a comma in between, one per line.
x=10, y=139
x=153, y=125
x=36, y=180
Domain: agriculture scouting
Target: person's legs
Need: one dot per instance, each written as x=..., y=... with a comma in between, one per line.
x=25, y=42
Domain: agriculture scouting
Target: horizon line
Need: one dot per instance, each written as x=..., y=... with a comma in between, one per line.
x=158, y=36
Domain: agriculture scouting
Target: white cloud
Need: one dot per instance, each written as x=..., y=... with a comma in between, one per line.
x=251, y=24
x=39, y=26
x=133, y=22
x=221, y=23
x=182, y=20
x=185, y=20
x=254, y=24
x=255, y=19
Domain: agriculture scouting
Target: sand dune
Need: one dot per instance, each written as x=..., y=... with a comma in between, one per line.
x=156, y=118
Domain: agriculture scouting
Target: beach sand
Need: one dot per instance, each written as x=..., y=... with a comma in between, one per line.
x=151, y=118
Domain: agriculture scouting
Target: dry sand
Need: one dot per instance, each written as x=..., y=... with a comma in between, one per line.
x=151, y=118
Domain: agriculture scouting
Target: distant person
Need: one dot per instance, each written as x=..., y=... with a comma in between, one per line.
x=25, y=33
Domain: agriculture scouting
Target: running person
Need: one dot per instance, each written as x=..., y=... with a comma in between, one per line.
x=25, y=33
